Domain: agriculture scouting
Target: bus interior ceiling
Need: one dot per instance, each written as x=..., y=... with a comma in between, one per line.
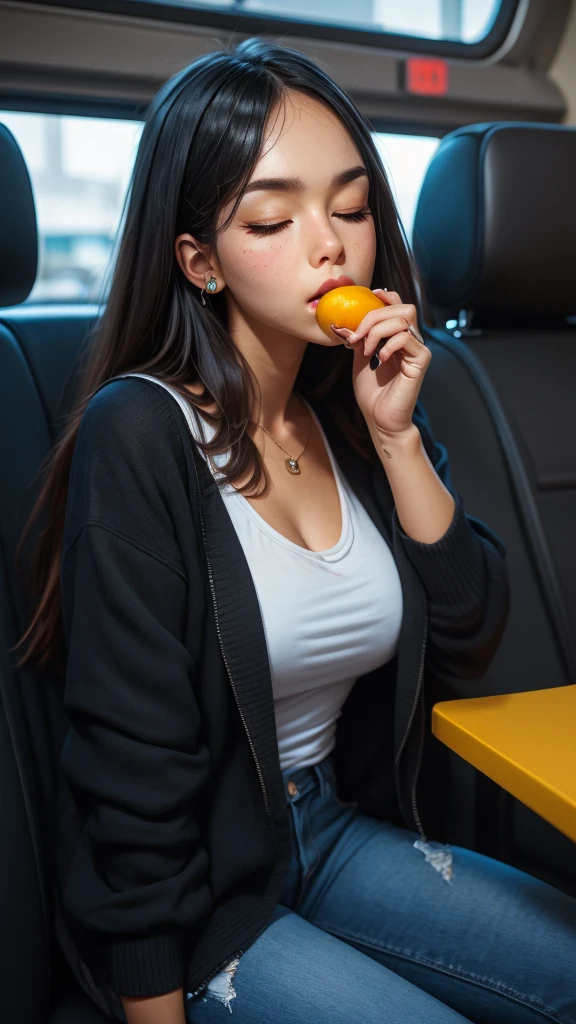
x=80, y=54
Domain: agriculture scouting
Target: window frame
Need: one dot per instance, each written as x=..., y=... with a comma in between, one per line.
x=255, y=24
x=430, y=129
x=71, y=106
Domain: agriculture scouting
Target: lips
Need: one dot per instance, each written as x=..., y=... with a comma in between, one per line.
x=327, y=286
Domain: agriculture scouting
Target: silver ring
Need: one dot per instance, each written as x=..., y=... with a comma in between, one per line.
x=414, y=335
x=411, y=330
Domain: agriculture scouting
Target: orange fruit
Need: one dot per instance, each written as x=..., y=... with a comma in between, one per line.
x=345, y=307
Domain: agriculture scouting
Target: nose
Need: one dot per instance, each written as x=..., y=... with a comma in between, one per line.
x=325, y=244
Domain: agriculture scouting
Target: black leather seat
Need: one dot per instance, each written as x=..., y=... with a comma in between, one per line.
x=38, y=348
x=480, y=393
x=494, y=240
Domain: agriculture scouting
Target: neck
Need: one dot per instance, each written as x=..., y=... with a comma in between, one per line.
x=274, y=358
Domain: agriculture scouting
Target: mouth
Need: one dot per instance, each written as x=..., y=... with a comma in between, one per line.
x=327, y=286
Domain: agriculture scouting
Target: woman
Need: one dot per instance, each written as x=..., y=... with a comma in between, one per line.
x=250, y=668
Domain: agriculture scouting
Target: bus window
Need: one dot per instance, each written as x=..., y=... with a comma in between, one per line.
x=465, y=21
x=80, y=169
x=406, y=159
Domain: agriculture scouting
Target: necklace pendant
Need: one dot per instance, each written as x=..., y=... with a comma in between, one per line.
x=292, y=465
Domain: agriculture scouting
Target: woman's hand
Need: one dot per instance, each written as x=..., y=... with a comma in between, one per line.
x=387, y=396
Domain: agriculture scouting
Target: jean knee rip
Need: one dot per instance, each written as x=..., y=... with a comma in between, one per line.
x=221, y=986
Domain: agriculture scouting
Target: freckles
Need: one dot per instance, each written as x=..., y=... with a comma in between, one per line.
x=278, y=259
x=255, y=257
x=250, y=256
x=264, y=262
x=252, y=264
x=364, y=250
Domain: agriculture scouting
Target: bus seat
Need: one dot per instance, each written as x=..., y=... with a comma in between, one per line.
x=35, y=981
x=493, y=240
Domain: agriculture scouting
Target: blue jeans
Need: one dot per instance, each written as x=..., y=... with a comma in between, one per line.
x=368, y=931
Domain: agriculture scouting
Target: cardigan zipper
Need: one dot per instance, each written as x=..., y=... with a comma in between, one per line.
x=221, y=966
x=238, y=952
x=261, y=777
x=210, y=578
x=408, y=727
x=415, y=781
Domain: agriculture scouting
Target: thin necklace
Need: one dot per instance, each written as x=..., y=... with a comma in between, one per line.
x=291, y=463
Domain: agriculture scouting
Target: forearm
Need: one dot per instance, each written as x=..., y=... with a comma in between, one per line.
x=165, y=1009
x=424, y=506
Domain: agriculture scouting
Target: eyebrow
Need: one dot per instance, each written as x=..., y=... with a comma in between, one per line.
x=297, y=185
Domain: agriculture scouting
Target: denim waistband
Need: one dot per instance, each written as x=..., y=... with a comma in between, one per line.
x=301, y=780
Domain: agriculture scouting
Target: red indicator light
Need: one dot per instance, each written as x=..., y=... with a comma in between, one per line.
x=426, y=76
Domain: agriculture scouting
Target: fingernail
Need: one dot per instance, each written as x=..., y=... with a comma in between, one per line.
x=374, y=362
x=343, y=332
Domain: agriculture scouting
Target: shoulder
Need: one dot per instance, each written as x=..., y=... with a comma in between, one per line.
x=129, y=470
x=130, y=415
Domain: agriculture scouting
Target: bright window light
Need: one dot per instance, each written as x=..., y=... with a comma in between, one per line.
x=80, y=169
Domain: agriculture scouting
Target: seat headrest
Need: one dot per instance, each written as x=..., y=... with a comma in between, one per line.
x=495, y=226
x=19, y=232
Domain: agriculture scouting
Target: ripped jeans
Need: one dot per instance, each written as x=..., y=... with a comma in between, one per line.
x=367, y=931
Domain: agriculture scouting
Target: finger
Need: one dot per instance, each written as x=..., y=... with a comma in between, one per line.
x=386, y=296
x=383, y=313
x=384, y=329
x=345, y=335
x=402, y=342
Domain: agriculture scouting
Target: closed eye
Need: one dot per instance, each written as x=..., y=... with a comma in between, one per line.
x=267, y=229
x=272, y=229
x=355, y=217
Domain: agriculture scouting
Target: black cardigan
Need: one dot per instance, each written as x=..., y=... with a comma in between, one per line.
x=175, y=836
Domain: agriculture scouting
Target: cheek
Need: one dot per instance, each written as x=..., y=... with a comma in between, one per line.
x=261, y=266
x=365, y=247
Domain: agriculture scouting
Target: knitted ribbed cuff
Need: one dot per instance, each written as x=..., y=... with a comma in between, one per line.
x=453, y=569
x=146, y=966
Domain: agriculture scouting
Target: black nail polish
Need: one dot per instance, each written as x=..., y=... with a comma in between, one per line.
x=374, y=362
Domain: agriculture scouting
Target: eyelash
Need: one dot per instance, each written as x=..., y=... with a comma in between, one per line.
x=272, y=229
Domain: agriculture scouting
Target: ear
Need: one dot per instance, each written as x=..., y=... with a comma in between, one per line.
x=195, y=262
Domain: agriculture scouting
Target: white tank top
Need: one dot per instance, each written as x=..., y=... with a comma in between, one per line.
x=329, y=616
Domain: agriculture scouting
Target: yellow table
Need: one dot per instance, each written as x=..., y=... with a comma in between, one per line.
x=526, y=742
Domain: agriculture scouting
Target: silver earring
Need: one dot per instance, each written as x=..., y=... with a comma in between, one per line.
x=211, y=285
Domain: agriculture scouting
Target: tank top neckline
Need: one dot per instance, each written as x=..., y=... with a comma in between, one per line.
x=332, y=554
x=344, y=542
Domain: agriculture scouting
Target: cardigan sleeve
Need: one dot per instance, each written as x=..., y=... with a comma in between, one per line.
x=465, y=576
x=134, y=753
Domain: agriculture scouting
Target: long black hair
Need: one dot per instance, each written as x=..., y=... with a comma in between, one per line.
x=202, y=137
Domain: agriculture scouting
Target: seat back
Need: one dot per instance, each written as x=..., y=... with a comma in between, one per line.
x=26, y=934
x=39, y=353
x=493, y=239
